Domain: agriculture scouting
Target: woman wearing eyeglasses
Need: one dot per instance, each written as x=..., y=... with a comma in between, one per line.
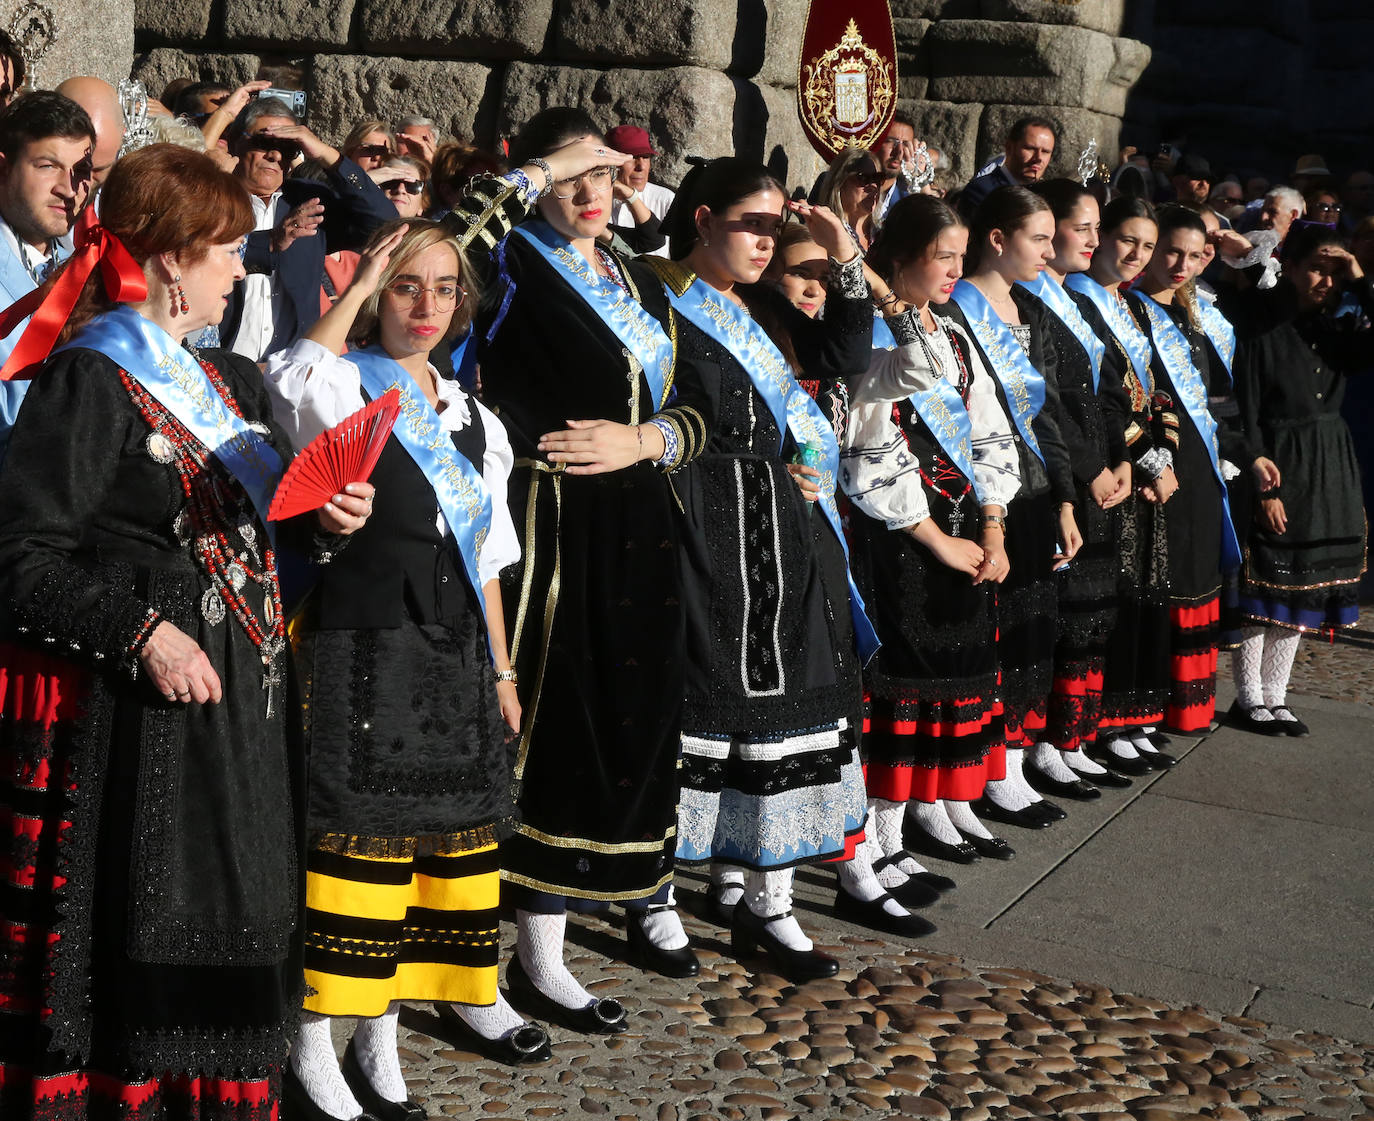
x=850, y=189
x=407, y=719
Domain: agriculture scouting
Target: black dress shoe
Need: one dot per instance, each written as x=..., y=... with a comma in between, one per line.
x=874, y=917
x=1244, y=718
x=375, y=1105
x=922, y=842
x=1287, y=719
x=1158, y=760
x=1025, y=818
x=1078, y=790
x=934, y=880
x=298, y=1105
x=913, y=893
x=994, y=848
x=1135, y=767
x=669, y=963
x=524, y=1046
x=749, y=932
x=1109, y=778
x=1048, y=810
x=601, y=1017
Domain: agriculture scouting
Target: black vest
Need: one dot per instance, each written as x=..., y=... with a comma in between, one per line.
x=398, y=566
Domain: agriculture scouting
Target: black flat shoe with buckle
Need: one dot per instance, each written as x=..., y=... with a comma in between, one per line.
x=523, y=1046
x=600, y=1017
x=298, y=1105
x=383, y=1109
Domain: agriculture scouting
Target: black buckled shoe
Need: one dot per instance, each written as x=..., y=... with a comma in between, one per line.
x=522, y=1046
x=922, y=842
x=749, y=932
x=1024, y=818
x=1048, y=810
x=642, y=951
x=298, y=1105
x=1158, y=760
x=600, y=1017
x=1107, y=778
x=1078, y=790
x=716, y=909
x=372, y=1102
x=872, y=915
x=917, y=883
x=994, y=848
x=1136, y=767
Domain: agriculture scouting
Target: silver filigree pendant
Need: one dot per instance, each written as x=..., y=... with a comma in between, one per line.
x=237, y=577
x=160, y=448
x=182, y=528
x=212, y=607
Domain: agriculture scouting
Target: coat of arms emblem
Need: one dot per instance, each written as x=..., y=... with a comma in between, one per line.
x=846, y=94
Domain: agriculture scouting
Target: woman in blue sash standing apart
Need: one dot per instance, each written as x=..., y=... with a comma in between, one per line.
x=771, y=776
x=599, y=407
x=152, y=797
x=408, y=722
x=1011, y=241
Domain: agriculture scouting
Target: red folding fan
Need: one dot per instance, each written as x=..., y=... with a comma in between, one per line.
x=344, y=454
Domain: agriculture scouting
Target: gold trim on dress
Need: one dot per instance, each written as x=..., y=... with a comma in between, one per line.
x=604, y=847
x=539, y=469
x=582, y=893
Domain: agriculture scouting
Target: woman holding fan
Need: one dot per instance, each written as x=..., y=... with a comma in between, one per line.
x=149, y=926
x=408, y=720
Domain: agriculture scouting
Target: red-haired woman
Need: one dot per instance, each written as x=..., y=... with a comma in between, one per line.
x=150, y=762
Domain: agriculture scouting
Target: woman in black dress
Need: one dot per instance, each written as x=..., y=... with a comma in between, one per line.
x=599, y=406
x=151, y=935
x=771, y=776
x=1306, y=549
x=1202, y=541
x=1012, y=241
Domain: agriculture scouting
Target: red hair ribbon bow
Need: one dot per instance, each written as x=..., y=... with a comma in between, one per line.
x=124, y=282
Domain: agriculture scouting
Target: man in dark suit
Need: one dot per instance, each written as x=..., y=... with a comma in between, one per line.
x=1029, y=150
x=299, y=221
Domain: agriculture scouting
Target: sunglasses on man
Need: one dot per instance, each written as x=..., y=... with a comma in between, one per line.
x=410, y=186
x=289, y=150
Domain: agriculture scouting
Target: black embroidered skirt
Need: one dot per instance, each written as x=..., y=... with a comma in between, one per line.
x=409, y=790
x=1027, y=614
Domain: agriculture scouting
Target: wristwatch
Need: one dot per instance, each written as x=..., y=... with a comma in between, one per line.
x=634, y=196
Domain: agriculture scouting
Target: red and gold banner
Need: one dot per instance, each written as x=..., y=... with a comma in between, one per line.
x=847, y=74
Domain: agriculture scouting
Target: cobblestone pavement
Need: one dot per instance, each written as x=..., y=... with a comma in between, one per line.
x=900, y=1033
x=1340, y=670
x=903, y=1032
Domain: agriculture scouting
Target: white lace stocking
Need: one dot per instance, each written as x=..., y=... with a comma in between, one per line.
x=317, y=1067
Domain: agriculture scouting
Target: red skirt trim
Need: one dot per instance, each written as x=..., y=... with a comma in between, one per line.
x=100, y=1097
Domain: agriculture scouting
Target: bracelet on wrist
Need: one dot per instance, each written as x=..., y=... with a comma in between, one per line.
x=997, y=521
x=507, y=675
x=542, y=165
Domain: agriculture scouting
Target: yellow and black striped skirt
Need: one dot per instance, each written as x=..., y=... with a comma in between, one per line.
x=400, y=919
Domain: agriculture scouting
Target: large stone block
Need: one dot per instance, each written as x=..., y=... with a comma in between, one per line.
x=646, y=32
x=687, y=110
x=171, y=21
x=913, y=65
x=71, y=37
x=935, y=9
x=461, y=96
x=777, y=139
x=301, y=23
x=783, y=23
x=1097, y=15
x=951, y=128
x=1028, y=64
x=457, y=28
x=1074, y=126
x=156, y=68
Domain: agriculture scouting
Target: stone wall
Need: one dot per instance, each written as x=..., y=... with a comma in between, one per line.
x=70, y=37
x=706, y=77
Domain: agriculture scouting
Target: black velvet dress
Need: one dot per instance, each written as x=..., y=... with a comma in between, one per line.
x=594, y=610
x=153, y=900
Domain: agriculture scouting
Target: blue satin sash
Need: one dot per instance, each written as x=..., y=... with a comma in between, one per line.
x=1127, y=332
x=1054, y=297
x=1219, y=330
x=166, y=370
x=1176, y=355
x=642, y=334
x=1023, y=384
x=458, y=484
x=792, y=407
